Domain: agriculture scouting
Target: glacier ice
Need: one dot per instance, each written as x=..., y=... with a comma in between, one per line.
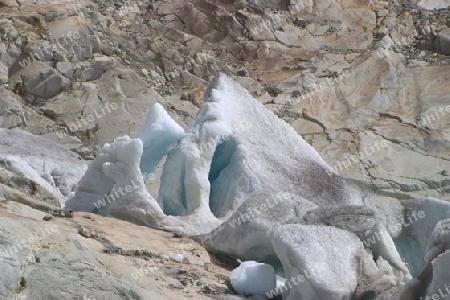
x=114, y=169
x=253, y=278
x=158, y=134
x=113, y=184
x=362, y=221
x=252, y=223
x=94, y=185
x=434, y=277
x=178, y=257
x=236, y=147
x=131, y=200
x=45, y=164
x=222, y=181
x=434, y=210
x=322, y=272
x=325, y=262
x=438, y=256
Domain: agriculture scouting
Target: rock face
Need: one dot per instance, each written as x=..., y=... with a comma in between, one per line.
x=305, y=61
x=98, y=258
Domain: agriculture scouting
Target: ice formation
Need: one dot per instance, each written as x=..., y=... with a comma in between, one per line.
x=158, y=134
x=113, y=184
x=428, y=249
x=44, y=164
x=252, y=223
x=94, y=185
x=114, y=170
x=252, y=278
x=236, y=147
x=223, y=179
x=325, y=262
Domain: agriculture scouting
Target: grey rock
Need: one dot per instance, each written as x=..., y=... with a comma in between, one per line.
x=3, y=73
x=40, y=81
x=443, y=41
x=65, y=68
x=82, y=277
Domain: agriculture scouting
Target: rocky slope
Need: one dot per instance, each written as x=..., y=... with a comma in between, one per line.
x=375, y=71
x=89, y=256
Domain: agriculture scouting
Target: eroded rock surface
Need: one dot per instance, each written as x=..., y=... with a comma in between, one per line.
x=102, y=258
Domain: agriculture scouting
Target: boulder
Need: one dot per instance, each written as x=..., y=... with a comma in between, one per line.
x=40, y=82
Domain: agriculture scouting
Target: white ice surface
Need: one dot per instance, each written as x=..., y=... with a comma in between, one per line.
x=253, y=278
x=323, y=260
x=40, y=160
x=121, y=163
x=236, y=147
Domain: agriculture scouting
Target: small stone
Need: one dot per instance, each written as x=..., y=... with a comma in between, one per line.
x=47, y=218
x=68, y=213
x=242, y=73
x=85, y=233
x=184, y=96
x=178, y=235
x=56, y=212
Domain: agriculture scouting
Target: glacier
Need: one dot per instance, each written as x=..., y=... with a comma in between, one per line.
x=114, y=168
x=236, y=147
x=50, y=165
x=240, y=171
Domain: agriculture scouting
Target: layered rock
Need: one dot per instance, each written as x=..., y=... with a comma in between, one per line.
x=279, y=50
